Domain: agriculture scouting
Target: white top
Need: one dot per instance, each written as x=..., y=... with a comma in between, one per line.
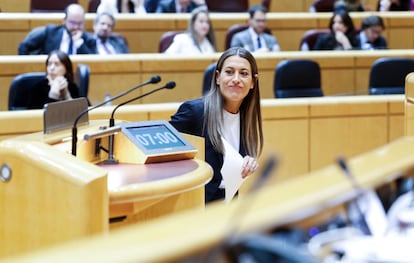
x=184, y=44
x=231, y=132
x=231, y=129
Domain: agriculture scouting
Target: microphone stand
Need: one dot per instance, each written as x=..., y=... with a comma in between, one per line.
x=154, y=79
x=111, y=159
x=359, y=191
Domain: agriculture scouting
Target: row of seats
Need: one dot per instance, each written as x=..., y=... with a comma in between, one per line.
x=293, y=78
x=213, y=5
x=302, y=77
x=307, y=42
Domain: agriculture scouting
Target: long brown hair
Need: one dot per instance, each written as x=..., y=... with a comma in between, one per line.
x=251, y=131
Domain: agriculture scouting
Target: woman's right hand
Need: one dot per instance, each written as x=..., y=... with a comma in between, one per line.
x=342, y=39
x=58, y=88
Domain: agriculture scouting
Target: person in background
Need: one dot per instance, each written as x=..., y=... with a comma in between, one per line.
x=199, y=38
x=107, y=42
x=178, y=6
x=230, y=111
x=58, y=84
x=254, y=38
x=349, y=6
x=125, y=6
x=370, y=37
x=395, y=5
x=341, y=35
x=70, y=37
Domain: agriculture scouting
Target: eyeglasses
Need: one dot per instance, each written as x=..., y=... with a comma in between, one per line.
x=75, y=23
x=259, y=20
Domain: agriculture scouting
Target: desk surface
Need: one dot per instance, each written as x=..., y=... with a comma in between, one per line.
x=138, y=182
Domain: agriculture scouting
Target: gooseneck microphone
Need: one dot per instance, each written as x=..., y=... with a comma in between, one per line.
x=362, y=221
x=152, y=80
x=111, y=159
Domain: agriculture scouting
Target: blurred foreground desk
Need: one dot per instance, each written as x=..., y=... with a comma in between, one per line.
x=48, y=196
x=190, y=234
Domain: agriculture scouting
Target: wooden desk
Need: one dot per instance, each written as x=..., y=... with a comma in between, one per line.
x=307, y=132
x=273, y=206
x=50, y=190
x=139, y=193
x=143, y=32
x=341, y=72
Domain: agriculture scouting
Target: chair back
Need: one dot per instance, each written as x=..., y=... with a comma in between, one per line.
x=82, y=79
x=208, y=76
x=20, y=87
x=166, y=39
x=266, y=3
x=41, y=6
x=227, y=6
x=93, y=5
x=323, y=6
x=309, y=38
x=387, y=75
x=297, y=78
x=233, y=30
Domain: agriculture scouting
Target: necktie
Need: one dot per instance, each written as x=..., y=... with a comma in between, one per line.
x=70, y=49
x=107, y=49
x=259, y=43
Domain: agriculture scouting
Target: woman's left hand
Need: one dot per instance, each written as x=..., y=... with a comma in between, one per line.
x=250, y=165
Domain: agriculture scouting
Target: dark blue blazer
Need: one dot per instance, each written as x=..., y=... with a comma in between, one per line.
x=379, y=43
x=168, y=6
x=43, y=40
x=189, y=118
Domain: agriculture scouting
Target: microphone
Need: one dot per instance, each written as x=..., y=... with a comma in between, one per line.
x=361, y=220
x=111, y=159
x=152, y=80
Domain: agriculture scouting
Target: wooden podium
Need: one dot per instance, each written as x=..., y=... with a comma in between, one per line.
x=49, y=196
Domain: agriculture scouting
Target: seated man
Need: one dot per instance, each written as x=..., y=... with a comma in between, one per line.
x=69, y=37
x=254, y=38
x=106, y=41
x=370, y=37
x=178, y=6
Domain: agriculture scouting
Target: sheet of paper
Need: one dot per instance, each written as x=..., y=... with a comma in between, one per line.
x=231, y=171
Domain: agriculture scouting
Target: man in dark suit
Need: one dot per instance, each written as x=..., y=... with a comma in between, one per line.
x=70, y=37
x=178, y=6
x=254, y=38
x=108, y=42
x=370, y=37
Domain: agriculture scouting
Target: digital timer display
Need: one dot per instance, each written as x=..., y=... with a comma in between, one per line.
x=155, y=137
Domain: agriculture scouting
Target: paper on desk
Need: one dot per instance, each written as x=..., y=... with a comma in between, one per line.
x=231, y=171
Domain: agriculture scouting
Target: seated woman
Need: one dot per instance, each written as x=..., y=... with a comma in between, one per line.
x=199, y=37
x=394, y=5
x=58, y=84
x=370, y=37
x=341, y=35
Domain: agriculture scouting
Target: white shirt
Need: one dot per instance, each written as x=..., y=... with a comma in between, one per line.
x=231, y=132
x=254, y=39
x=184, y=44
x=231, y=129
x=64, y=44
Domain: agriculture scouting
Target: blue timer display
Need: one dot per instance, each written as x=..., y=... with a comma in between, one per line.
x=155, y=137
